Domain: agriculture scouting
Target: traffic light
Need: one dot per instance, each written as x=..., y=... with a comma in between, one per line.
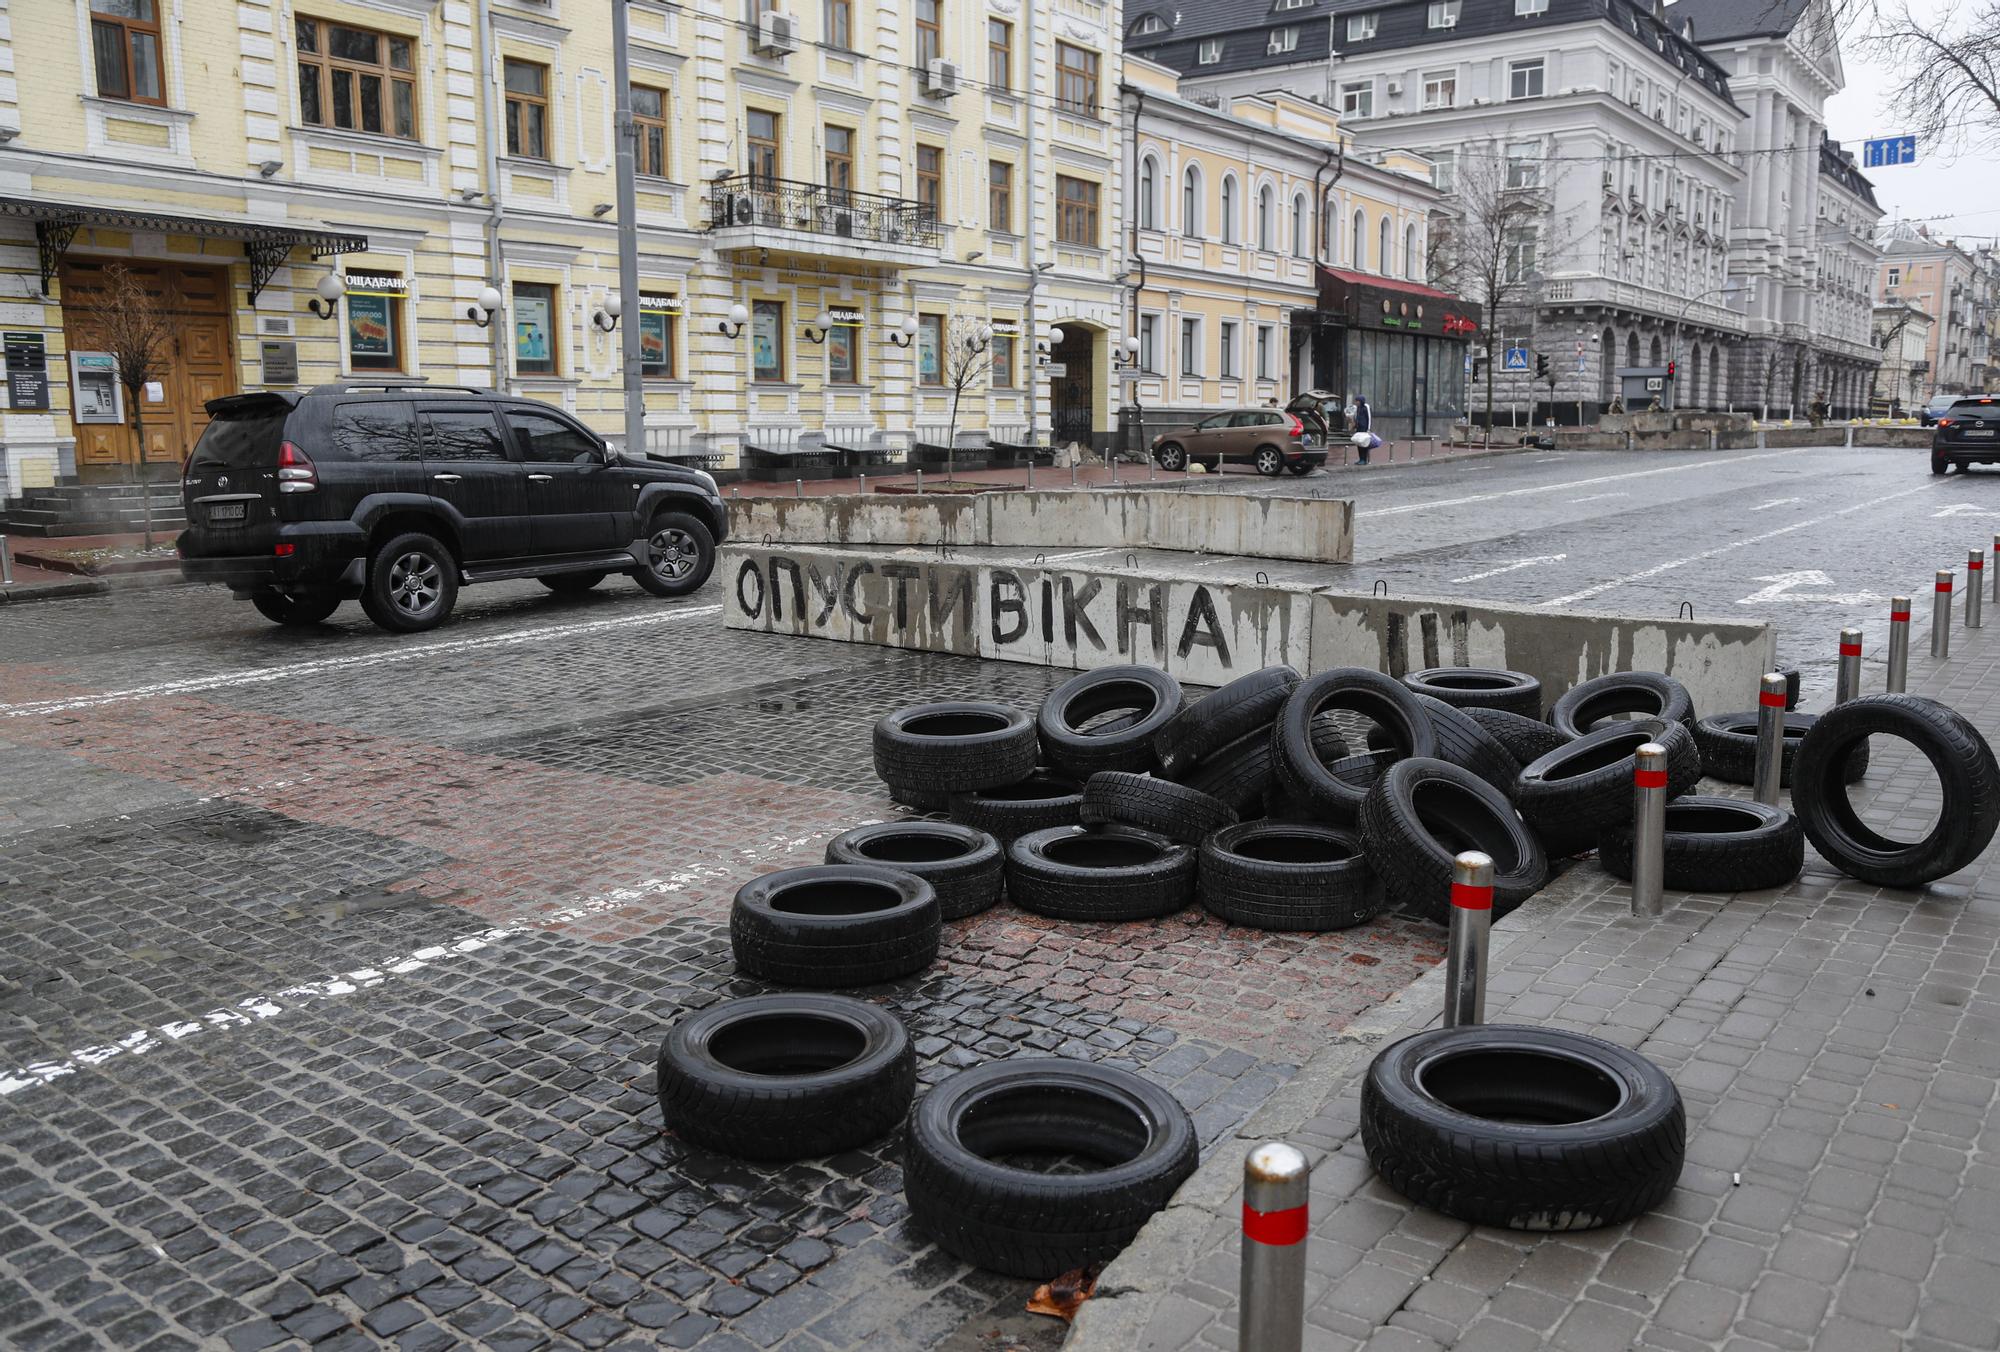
x=1670, y=369
x=1541, y=366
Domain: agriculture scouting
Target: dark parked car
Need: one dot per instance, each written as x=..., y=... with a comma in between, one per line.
x=398, y=494
x=1967, y=434
x=1273, y=440
x=1929, y=414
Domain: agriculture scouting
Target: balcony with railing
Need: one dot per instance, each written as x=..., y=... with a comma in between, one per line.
x=1612, y=293
x=749, y=212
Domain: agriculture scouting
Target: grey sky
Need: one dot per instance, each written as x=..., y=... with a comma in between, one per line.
x=1937, y=185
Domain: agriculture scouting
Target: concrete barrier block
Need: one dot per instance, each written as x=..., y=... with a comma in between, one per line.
x=857, y=519
x=1902, y=438
x=1788, y=437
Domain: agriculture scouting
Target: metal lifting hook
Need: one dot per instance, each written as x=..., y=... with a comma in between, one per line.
x=1687, y=610
x=1381, y=586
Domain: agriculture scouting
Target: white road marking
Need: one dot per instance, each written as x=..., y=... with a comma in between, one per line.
x=1076, y=554
x=381, y=657
x=1581, y=483
x=1962, y=509
x=1672, y=564
x=1774, y=502
x=1510, y=568
x=1599, y=497
x=1784, y=586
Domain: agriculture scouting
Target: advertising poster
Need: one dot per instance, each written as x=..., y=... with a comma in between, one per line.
x=764, y=342
x=533, y=325
x=370, y=332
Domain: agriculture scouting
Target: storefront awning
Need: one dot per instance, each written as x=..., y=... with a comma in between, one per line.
x=1368, y=301
x=267, y=244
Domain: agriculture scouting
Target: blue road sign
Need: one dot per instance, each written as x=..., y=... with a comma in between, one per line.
x=1889, y=150
x=1517, y=359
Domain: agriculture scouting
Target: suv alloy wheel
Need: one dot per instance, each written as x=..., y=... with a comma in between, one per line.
x=680, y=554
x=1173, y=457
x=1270, y=461
x=412, y=583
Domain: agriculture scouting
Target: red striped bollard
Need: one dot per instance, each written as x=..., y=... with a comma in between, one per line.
x=1898, y=677
x=1276, y=1183
x=1941, y=615
x=1649, y=831
x=1770, y=773
x=1848, y=671
x=1975, y=581
x=1465, y=950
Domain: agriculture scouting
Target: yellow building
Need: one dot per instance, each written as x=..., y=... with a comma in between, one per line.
x=326, y=189
x=1270, y=258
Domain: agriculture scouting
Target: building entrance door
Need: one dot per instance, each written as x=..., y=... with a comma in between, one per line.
x=1073, y=394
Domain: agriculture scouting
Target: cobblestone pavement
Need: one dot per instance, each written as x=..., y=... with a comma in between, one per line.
x=1837, y=1047
x=333, y=967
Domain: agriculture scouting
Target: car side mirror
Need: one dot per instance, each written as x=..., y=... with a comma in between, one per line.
x=611, y=456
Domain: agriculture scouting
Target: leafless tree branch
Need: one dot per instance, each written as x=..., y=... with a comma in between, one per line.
x=1950, y=72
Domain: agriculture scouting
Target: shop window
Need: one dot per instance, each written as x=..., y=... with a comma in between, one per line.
x=375, y=322
x=125, y=44
x=649, y=116
x=930, y=349
x=1003, y=362
x=656, y=341
x=843, y=350
x=767, y=340
x=527, y=109
x=534, y=329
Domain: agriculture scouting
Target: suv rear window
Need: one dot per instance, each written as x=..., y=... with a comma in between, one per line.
x=1983, y=408
x=241, y=438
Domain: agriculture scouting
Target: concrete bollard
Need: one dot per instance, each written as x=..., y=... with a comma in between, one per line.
x=1471, y=931
x=1770, y=740
x=1649, y=831
x=1848, y=681
x=1941, y=615
x=1277, y=1183
x=1975, y=586
x=1899, y=645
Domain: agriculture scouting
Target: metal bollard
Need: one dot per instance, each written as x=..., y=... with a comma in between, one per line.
x=1152, y=469
x=920, y=481
x=1770, y=739
x=864, y=485
x=1899, y=645
x=1649, y=831
x=1465, y=951
x=1996, y=570
x=1277, y=1182
x=799, y=488
x=1848, y=681
x=6, y=563
x=1941, y=615
x=1975, y=581
x=1031, y=472
x=1114, y=466
x=1072, y=474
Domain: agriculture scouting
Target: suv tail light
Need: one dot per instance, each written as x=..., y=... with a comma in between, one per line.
x=1298, y=427
x=295, y=470
x=1944, y=422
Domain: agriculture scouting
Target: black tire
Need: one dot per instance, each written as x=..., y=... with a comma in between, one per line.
x=1646, y=694
x=1126, y=743
x=1287, y=876
x=919, y=800
x=1717, y=844
x=1728, y=747
x=680, y=555
x=963, y=866
x=571, y=584
x=1244, y=774
x=1175, y=811
x=412, y=583
x=1480, y=688
x=784, y=1077
x=1526, y=1128
x=1118, y=873
x=1422, y=814
x=1023, y=1223
x=1939, y=466
x=1036, y=802
x=295, y=612
x=1172, y=456
x=1303, y=775
x=1793, y=679
x=1966, y=771
x=1579, y=791
x=1247, y=704
x=1527, y=739
x=1269, y=460
x=834, y=925
x=954, y=746
x=1465, y=743
x=1300, y=468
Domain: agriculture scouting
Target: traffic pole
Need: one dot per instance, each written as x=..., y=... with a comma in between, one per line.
x=1649, y=831
x=1471, y=931
x=1941, y=615
x=1899, y=645
x=1996, y=570
x=1975, y=586
x=1276, y=1184
x=1770, y=740
x=1848, y=684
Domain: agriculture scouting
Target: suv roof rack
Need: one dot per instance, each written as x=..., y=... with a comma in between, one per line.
x=349, y=386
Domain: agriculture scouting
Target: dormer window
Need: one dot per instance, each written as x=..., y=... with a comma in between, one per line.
x=1444, y=13
x=1292, y=4
x=1149, y=24
x=1283, y=40
x=1209, y=52
x=1360, y=27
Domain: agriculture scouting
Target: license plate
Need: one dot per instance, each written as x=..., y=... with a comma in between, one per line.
x=1986, y=433
x=227, y=511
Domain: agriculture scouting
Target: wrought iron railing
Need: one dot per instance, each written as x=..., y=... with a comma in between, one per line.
x=750, y=200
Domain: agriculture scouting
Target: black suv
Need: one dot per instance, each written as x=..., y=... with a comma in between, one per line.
x=397, y=494
x=1968, y=434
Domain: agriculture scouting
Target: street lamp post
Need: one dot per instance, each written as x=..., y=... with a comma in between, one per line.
x=628, y=233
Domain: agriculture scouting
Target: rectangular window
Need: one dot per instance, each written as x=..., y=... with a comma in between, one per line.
x=356, y=80
x=649, y=116
x=1360, y=27
x=551, y=439
x=930, y=179
x=1076, y=211
x=1003, y=362
x=763, y=144
x=1210, y=52
x=930, y=349
x=656, y=343
x=999, y=54
x=1445, y=175
x=1441, y=89
x=930, y=38
x=767, y=340
x=462, y=434
x=1522, y=248
x=125, y=43
x=1525, y=79
x=840, y=24
x=1283, y=40
x=1525, y=8
x=1190, y=347
x=1149, y=343
x=527, y=109
x=843, y=354
x=1228, y=342
x=1076, y=79
x=1524, y=165
x=1444, y=13
x=1358, y=99
x=534, y=329
x=375, y=326
x=839, y=158
x=1264, y=352
x=1000, y=196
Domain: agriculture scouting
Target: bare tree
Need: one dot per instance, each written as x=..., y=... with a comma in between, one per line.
x=966, y=360
x=135, y=326
x=1950, y=68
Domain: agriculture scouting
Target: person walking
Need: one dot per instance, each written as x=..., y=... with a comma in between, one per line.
x=1363, y=423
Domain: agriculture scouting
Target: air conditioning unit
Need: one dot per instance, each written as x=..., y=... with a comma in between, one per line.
x=743, y=210
x=941, y=79
x=1395, y=88
x=843, y=224
x=777, y=35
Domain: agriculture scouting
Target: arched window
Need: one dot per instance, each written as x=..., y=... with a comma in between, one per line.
x=1385, y=249
x=1714, y=376
x=1264, y=218
x=1656, y=350
x=1301, y=243
x=1631, y=349
x=1361, y=241
x=1191, y=202
x=1229, y=208
x=1607, y=356
x=1412, y=257
x=1149, y=193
